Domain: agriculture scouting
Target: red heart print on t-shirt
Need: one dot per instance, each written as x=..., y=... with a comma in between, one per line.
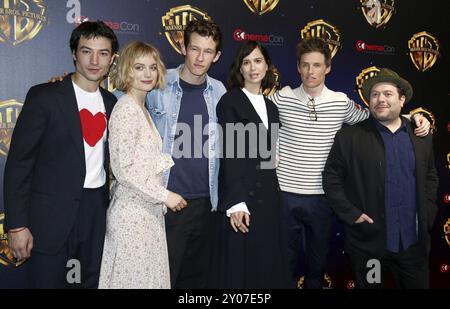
x=93, y=127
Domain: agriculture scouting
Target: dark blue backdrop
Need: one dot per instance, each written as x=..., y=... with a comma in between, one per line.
x=47, y=54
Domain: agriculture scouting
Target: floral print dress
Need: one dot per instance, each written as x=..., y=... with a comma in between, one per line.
x=135, y=250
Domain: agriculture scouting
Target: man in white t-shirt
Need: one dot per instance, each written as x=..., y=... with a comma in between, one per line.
x=55, y=182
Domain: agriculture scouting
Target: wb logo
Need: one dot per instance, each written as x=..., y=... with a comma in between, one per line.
x=374, y=273
x=22, y=20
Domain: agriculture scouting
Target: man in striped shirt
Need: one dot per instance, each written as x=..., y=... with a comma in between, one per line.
x=310, y=116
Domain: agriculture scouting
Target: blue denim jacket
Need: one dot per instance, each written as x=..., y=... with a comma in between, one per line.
x=164, y=106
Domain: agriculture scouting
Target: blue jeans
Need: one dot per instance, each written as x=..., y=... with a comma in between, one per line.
x=307, y=221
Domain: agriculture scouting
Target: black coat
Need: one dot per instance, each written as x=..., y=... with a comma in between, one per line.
x=241, y=179
x=45, y=169
x=255, y=259
x=353, y=181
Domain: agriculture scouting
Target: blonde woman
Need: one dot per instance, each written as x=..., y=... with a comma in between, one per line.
x=135, y=250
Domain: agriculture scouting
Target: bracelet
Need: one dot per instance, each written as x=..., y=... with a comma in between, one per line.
x=18, y=230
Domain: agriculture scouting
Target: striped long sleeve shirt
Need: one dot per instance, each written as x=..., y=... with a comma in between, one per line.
x=304, y=143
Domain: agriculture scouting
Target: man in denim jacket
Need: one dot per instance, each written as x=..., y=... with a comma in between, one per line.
x=185, y=114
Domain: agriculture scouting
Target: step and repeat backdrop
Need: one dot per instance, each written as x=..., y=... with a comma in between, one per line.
x=408, y=36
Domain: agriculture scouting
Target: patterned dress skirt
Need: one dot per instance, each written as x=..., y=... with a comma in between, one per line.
x=135, y=252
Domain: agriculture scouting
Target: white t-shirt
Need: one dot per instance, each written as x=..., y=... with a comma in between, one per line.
x=93, y=126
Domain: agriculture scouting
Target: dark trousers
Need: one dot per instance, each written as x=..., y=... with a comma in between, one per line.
x=307, y=219
x=84, y=245
x=189, y=241
x=409, y=269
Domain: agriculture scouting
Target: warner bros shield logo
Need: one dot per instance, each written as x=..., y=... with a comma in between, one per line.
x=21, y=20
x=362, y=77
x=175, y=21
x=323, y=30
x=423, y=50
x=378, y=12
x=260, y=7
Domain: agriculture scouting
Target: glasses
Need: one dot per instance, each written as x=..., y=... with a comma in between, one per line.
x=312, y=105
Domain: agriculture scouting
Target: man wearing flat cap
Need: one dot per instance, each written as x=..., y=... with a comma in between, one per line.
x=380, y=179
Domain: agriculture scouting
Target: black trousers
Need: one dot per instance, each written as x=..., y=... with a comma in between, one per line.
x=189, y=241
x=83, y=248
x=307, y=220
x=409, y=269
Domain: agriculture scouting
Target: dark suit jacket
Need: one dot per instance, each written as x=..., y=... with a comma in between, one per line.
x=353, y=181
x=243, y=179
x=45, y=169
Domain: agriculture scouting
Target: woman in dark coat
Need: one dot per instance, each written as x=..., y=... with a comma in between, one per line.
x=251, y=251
